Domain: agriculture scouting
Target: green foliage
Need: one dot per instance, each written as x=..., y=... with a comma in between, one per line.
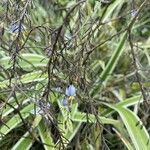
x=84, y=43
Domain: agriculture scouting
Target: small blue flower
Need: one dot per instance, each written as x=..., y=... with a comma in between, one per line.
x=133, y=13
x=16, y=27
x=70, y=90
x=65, y=102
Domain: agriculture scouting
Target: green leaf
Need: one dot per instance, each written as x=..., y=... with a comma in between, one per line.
x=46, y=137
x=16, y=120
x=66, y=126
x=84, y=117
x=26, y=61
x=70, y=135
x=104, y=76
x=124, y=140
x=125, y=103
x=24, y=143
x=27, y=140
x=27, y=78
x=138, y=135
x=9, y=109
x=112, y=7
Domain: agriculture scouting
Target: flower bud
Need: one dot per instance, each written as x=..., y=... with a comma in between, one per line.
x=64, y=102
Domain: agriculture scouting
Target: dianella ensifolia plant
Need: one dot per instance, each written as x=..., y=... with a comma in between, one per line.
x=74, y=74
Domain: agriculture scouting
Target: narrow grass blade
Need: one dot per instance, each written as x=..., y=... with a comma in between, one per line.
x=104, y=76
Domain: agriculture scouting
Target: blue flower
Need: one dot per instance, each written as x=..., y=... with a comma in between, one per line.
x=70, y=90
x=65, y=102
x=133, y=13
x=16, y=27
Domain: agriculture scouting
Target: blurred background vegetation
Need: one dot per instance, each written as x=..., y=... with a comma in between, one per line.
x=98, y=50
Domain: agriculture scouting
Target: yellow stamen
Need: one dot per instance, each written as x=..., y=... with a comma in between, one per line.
x=70, y=99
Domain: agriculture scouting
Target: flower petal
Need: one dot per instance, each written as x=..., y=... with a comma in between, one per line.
x=70, y=90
